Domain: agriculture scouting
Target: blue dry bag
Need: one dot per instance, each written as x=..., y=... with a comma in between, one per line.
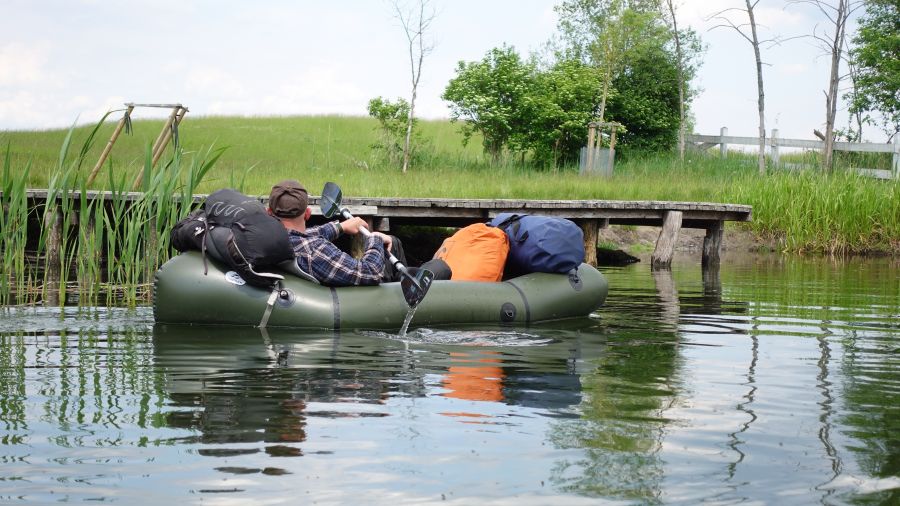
x=541, y=243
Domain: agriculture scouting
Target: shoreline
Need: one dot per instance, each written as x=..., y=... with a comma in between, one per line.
x=640, y=242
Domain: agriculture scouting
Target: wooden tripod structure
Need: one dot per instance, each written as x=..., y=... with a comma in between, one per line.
x=595, y=140
x=169, y=130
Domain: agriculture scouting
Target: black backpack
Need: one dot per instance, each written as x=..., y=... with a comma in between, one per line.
x=236, y=230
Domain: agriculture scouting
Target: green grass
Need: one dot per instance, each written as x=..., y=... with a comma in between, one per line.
x=805, y=211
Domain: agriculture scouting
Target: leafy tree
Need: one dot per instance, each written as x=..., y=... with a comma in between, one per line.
x=877, y=58
x=559, y=107
x=647, y=102
x=489, y=96
x=619, y=38
x=392, y=120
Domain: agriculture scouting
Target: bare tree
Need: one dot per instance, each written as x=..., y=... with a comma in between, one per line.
x=754, y=41
x=679, y=54
x=837, y=12
x=415, y=21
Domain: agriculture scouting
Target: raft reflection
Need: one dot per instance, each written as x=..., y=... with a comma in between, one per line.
x=239, y=385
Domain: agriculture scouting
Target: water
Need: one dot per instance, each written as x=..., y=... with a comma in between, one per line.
x=406, y=321
x=775, y=382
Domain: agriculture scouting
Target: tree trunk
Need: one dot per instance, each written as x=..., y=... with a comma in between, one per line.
x=415, y=35
x=761, y=101
x=840, y=22
x=409, y=128
x=679, y=56
x=603, y=95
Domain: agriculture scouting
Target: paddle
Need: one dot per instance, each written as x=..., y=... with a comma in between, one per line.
x=414, y=283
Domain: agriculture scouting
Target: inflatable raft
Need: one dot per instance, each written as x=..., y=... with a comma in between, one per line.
x=184, y=294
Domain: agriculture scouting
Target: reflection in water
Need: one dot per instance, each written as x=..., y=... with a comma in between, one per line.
x=481, y=382
x=236, y=386
x=626, y=396
x=774, y=381
x=745, y=406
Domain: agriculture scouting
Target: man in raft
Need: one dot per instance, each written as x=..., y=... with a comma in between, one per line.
x=314, y=247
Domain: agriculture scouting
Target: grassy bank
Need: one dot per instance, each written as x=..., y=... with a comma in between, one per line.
x=804, y=212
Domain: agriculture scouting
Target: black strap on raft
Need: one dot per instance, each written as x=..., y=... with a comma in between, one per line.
x=203, y=244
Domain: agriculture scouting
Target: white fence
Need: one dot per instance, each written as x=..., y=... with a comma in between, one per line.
x=774, y=143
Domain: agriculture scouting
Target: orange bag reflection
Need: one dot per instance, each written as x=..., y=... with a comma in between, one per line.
x=480, y=383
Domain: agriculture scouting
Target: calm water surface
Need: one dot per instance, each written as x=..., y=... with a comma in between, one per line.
x=773, y=381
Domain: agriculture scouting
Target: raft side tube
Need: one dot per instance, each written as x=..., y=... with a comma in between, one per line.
x=183, y=294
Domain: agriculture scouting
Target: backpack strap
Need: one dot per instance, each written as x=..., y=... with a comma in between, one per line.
x=511, y=225
x=290, y=266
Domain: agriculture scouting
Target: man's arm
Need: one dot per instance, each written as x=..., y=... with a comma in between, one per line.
x=333, y=267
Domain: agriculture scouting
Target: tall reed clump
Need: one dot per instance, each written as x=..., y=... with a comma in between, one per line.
x=840, y=213
x=16, y=274
x=139, y=222
x=80, y=228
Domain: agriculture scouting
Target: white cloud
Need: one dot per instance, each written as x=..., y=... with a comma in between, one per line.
x=213, y=81
x=320, y=90
x=23, y=64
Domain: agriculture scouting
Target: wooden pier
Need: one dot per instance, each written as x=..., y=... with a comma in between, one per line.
x=590, y=215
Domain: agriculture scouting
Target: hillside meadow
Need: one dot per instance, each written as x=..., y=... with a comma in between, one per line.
x=802, y=211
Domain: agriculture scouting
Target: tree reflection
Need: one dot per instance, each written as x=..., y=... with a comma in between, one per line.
x=625, y=398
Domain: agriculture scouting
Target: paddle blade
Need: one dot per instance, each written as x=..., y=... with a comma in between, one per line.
x=330, y=203
x=415, y=284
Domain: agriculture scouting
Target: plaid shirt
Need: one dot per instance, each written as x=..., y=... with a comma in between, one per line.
x=317, y=255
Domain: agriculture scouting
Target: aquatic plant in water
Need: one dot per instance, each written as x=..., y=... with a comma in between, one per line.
x=81, y=228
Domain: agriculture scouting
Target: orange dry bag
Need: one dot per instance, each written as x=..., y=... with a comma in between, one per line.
x=475, y=253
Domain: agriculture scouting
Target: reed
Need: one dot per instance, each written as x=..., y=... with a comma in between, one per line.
x=16, y=280
x=841, y=213
x=77, y=230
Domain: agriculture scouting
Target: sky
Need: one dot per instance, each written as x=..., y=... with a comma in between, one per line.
x=63, y=61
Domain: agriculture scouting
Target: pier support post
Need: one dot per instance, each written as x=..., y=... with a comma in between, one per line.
x=589, y=230
x=668, y=297
x=665, y=244
x=383, y=224
x=712, y=244
x=52, y=260
x=712, y=289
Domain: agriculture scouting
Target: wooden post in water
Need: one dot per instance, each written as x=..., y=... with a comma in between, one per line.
x=665, y=244
x=52, y=260
x=712, y=289
x=668, y=296
x=712, y=244
x=589, y=229
x=109, y=145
